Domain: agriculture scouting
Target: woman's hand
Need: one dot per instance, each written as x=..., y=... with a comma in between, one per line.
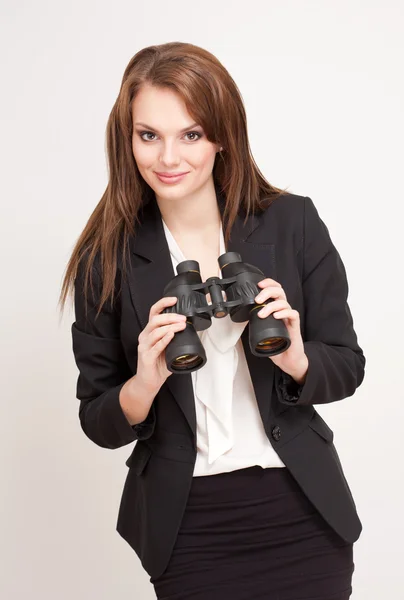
x=292, y=361
x=153, y=340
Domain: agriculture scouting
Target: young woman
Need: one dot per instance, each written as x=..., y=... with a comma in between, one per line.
x=234, y=487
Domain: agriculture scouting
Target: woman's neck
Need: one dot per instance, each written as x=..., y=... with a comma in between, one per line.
x=198, y=214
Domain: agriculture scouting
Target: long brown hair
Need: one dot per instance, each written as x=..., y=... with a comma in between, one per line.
x=213, y=99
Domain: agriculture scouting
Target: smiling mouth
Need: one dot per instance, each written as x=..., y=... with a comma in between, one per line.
x=171, y=179
x=171, y=174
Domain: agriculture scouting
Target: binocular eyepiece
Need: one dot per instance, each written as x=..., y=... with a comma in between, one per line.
x=267, y=336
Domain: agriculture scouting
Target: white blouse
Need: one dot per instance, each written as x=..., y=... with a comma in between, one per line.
x=230, y=432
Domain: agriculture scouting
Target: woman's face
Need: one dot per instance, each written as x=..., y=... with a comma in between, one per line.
x=166, y=140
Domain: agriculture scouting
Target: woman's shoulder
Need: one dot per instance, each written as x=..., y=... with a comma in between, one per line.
x=297, y=210
x=287, y=203
x=285, y=212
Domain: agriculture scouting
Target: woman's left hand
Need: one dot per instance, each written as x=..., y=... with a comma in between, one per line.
x=292, y=361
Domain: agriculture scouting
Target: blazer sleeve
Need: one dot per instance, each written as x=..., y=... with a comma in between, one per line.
x=336, y=361
x=103, y=370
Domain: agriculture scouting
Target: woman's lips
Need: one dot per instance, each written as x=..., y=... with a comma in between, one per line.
x=171, y=179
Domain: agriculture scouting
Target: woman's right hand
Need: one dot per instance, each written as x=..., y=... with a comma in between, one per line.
x=153, y=340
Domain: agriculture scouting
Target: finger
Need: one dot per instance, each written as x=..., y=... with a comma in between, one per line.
x=166, y=318
x=270, y=292
x=291, y=314
x=161, y=305
x=165, y=341
x=156, y=309
x=266, y=282
x=162, y=343
x=150, y=341
x=273, y=306
x=157, y=322
x=159, y=332
x=154, y=351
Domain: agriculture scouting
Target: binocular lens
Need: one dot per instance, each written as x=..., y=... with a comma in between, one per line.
x=186, y=361
x=274, y=343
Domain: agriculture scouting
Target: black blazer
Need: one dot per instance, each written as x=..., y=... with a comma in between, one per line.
x=291, y=244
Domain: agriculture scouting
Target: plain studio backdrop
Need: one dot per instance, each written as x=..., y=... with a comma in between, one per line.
x=323, y=87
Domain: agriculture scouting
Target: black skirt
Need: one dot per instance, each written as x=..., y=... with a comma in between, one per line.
x=252, y=534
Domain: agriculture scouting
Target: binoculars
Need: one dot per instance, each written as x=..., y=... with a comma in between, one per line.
x=267, y=336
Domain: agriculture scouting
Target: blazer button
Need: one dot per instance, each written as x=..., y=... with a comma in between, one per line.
x=276, y=433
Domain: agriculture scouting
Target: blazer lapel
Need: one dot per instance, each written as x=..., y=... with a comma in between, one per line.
x=148, y=279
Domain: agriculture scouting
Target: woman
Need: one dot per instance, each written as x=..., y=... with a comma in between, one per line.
x=234, y=488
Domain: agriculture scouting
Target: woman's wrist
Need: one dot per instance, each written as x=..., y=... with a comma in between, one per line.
x=135, y=400
x=300, y=374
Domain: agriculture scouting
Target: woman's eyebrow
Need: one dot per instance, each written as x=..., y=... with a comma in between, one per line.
x=181, y=131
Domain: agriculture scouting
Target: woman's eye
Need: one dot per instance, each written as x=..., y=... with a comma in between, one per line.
x=194, y=133
x=147, y=133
